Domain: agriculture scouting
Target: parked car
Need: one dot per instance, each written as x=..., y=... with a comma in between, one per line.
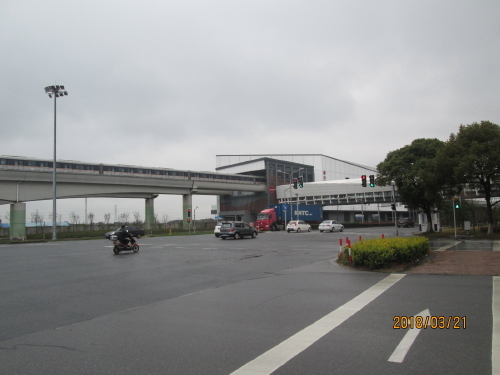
x=330, y=226
x=237, y=230
x=406, y=223
x=217, y=229
x=298, y=226
x=134, y=231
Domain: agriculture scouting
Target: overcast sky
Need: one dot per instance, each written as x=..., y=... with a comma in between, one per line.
x=174, y=83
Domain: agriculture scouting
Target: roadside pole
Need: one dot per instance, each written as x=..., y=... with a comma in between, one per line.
x=297, y=196
x=396, y=220
x=394, y=204
x=454, y=217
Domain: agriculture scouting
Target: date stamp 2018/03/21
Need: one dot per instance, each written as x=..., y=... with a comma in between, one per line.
x=434, y=322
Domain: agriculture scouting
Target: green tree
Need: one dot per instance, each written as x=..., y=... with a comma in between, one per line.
x=472, y=158
x=414, y=171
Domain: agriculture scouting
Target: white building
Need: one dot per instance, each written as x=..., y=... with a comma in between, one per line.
x=344, y=200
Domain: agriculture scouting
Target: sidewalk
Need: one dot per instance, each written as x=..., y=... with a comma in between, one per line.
x=461, y=258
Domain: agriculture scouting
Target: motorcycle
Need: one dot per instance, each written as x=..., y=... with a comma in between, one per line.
x=118, y=247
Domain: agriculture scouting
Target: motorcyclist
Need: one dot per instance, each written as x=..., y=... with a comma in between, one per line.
x=123, y=236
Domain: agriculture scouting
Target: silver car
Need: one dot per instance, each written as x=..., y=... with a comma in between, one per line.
x=298, y=226
x=330, y=226
x=217, y=229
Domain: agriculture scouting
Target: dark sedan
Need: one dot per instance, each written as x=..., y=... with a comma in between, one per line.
x=237, y=230
x=134, y=231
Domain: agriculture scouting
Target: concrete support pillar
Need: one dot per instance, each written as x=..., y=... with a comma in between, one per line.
x=17, y=221
x=187, y=202
x=149, y=217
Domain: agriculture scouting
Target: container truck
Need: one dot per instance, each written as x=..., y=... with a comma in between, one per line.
x=274, y=218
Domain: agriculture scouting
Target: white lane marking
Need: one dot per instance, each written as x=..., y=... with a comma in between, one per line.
x=276, y=357
x=495, y=342
x=400, y=352
x=443, y=248
x=496, y=246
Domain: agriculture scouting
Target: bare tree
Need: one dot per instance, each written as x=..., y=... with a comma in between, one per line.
x=164, y=220
x=107, y=218
x=36, y=218
x=90, y=217
x=137, y=218
x=123, y=218
x=74, y=218
x=156, y=221
x=7, y=216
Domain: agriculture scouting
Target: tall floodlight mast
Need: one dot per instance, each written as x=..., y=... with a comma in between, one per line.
x=56, y=92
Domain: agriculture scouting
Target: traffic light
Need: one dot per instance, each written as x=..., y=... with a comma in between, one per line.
x=393, y=206
x=372, y=180
x=457, y=204
x=301, y=182
x=295, y=183
x=188, y=215
x=363, y=180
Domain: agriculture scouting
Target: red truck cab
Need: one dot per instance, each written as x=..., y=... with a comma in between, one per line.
x=266, y=220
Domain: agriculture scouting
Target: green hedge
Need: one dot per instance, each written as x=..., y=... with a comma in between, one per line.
x=95, y=234
x=377, y=253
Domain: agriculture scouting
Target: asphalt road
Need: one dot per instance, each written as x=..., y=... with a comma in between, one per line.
x=201, y=305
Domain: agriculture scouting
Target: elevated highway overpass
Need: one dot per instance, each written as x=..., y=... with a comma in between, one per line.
x=28, y=179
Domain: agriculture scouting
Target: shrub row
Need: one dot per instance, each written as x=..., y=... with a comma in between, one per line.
x=61, y=235
x=377, y=253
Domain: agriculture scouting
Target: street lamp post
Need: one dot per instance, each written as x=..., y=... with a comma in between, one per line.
x=55, y=91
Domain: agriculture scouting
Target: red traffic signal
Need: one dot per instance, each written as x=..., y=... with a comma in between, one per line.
x=295, y=183
x=363, y=180
x=189, y=212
